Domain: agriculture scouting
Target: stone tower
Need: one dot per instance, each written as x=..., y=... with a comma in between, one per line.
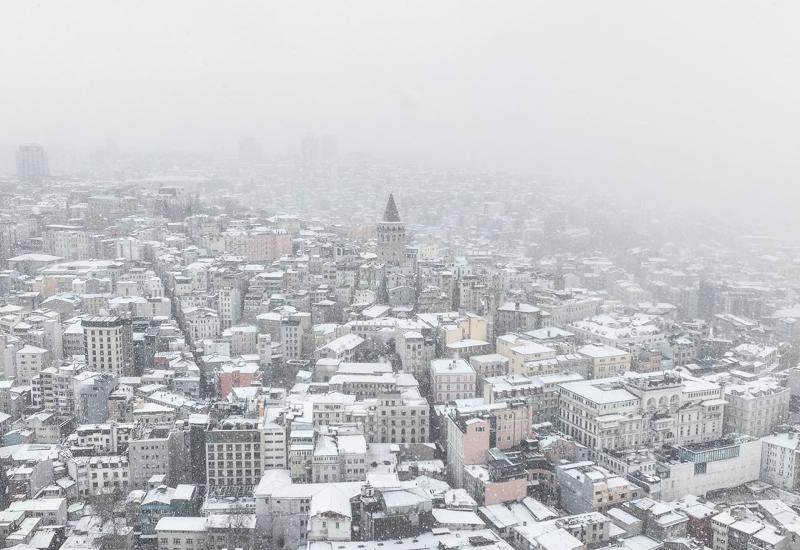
x=391, y=236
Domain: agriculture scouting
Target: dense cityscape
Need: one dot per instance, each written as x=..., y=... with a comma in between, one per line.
x=327, y=351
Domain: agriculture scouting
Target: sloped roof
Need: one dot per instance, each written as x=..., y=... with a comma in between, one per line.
x=391, y=214
x=330, y=500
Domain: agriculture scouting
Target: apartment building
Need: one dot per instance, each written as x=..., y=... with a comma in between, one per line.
x=339, y=457
x=52, y=511
x=739, y=528
x=401, y=417
x=99, y=475
x=284, y=509
x=780, y=460
x=68, y=242
x=488, y=365
x=641, y=409
x=517, y=317
x=469, y=431
x=233, y=453
x=229, y=306
x=273, y=444
x=109, y=345
x=526, y=356
x=468, y=441
x=53, y=388
x=157, y=451
x=755, y=408
x=201, y=323
x=548, y=406
x=342, y=348
x=258, y=244
x=104, y=438
x=181, y=533
x=567, y=309
x=452, y=379
x=30, y=361
x=415, y=351
x=586, y=487
x=239, y=450
x=605, y=361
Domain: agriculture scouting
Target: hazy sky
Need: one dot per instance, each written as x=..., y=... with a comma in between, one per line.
x=695, y=96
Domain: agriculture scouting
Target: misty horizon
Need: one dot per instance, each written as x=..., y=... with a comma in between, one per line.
x=419, y=275
x=619, y=96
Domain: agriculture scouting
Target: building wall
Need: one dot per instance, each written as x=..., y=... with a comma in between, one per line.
x=147, y=457
x=394, y=418
x=465, y=447
x=687, y=479
x=273, y=446
x=231, y=457
x=391, y=243
x=181, y=540
x=756, y=415
x=203, y=326
x=513, y=490
x=329, y=527
x=109, y=346
x=780, y=459
x=514, y=424
x=29, y=365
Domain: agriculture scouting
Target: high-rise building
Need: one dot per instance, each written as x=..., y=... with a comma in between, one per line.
x=239, y=450
x=329, y=148
x=391, y=236
x=109, y=345
x=249, y=150
x=32, y=162
x=309, y=148
x=229, y=306
x=31, y=360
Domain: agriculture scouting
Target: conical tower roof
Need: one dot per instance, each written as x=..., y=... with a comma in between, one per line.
x=391, y=214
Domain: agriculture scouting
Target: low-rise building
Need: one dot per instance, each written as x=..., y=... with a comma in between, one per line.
x=695, y=469
x=757, y=407
x=780, y=460
x=486, y=366
x=52, y=511
x=30, y=361
x=586, y=487
x=605, y=360
x=661, y=408
x=181, y=533
x=452, y=379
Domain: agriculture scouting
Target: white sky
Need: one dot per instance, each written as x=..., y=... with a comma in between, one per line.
x=680, y=99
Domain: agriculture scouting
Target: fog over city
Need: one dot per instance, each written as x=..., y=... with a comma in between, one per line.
x=680, y=102
x=411, y=275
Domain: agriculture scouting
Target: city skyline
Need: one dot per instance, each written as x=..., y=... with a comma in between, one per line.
x=356, y=275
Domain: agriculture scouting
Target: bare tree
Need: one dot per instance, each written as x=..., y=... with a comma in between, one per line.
x=236, y=531
x=110, y=508
x=4, y=500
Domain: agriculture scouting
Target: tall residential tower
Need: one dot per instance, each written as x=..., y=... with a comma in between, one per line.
x=32, y=162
